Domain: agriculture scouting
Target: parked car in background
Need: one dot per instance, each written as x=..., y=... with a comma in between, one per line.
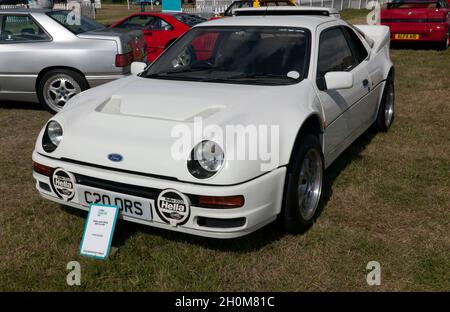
x=418, y=20
x=316, y=79
x=287, y=11
x=160, y=29
x=148, y=2
x=45, y=57
x=240, y=4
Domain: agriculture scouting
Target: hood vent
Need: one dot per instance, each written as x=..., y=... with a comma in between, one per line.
x=133, y=106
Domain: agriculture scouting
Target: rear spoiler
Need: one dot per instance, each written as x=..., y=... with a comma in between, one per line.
x=377, y=36
x=287, y=11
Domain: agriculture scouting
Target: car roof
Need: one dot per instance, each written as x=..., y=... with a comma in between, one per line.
x=309, y=22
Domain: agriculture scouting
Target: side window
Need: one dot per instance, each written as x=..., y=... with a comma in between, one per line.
x=137, y=22
x=334, y=53
x=21, y=28
x=358, y=48
x=160, y=24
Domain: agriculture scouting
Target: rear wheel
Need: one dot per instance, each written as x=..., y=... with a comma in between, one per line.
x=58, y=86
x=304, y=186
x=385, y=115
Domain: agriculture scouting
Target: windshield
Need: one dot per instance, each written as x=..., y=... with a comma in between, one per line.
x=415, y=4
x=71, y=23
x=250, y=55
x=189, y=19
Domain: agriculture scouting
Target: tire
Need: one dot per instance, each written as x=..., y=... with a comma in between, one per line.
x=301, y=200
x=385, y=116
x=444, y=45
x=57, y=86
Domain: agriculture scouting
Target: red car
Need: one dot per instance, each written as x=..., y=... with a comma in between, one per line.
x=160, y=29
x=418, y=20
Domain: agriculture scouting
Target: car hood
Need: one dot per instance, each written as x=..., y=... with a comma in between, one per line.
x=147, y=121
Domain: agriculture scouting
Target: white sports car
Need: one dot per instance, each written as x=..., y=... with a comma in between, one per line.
x=230, y=128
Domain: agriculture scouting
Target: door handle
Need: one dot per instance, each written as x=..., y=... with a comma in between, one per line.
x=365, y=82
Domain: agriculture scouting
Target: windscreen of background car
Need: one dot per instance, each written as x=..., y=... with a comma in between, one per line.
x=250, y=55
x=189, y=19
x=415, y=4
x=65, y=19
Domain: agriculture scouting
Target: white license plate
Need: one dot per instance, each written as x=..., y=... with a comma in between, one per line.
x=130, y=206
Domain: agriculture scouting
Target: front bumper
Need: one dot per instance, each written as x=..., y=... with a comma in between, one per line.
x=263, y=197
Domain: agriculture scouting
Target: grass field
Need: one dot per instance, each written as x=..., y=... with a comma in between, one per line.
x=386, y=199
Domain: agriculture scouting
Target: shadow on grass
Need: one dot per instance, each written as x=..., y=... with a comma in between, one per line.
x=249, y=243
x=353, y=152
x=21, y=105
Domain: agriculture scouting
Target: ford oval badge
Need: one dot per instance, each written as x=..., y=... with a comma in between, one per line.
x=115, y=157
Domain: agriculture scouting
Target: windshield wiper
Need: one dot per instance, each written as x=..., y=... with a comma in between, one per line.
x=263, y=75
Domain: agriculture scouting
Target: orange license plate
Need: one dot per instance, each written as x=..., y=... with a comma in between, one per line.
x=406, y=36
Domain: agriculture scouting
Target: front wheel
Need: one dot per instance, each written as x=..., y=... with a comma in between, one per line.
x=304, y=186
x=58, y=86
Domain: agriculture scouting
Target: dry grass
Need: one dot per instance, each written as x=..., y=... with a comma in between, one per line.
x=387, y=199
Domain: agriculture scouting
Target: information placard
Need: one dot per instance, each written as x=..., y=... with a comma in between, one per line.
x=98, y=231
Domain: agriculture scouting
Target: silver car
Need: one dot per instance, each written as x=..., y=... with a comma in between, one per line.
x=48, y=56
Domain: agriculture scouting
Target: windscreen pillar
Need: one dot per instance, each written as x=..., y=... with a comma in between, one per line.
x=171, y=5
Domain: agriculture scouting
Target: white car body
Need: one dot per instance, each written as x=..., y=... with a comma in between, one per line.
x=134, y=117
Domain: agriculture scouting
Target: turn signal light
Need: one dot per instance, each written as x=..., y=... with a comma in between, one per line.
x=44, y=170
x=221, y=201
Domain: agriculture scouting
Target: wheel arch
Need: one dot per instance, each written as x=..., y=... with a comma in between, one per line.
x=391, y=73
x=311, y=125
x=50, y=68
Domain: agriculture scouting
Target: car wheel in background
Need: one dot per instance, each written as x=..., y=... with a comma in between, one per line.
x=58, y=86
x=444, y=44
x=385, y=115
x=303, y=186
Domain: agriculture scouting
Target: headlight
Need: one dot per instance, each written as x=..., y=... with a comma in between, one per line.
x=52, y=136
x=206, y=159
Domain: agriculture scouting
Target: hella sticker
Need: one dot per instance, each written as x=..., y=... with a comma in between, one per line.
x=63, y=183
x=173, y=207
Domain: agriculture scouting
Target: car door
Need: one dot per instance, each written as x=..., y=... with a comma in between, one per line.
x=363, y=111
x=160, y=33
x=335, y=54
x=20, y=37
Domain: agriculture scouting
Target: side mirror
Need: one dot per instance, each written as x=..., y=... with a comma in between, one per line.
x=338, y=80
x=137, y=67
